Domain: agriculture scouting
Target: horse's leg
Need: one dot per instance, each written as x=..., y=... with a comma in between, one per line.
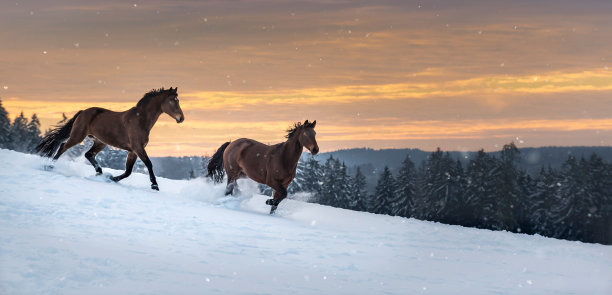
x=232, y=178
x=229, y=188
x=91, y=155
x=280, y=193
x=129, y=165
x=76, y=136
x=142, y=154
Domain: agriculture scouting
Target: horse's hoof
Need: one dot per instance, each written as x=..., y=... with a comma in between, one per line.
x=270, y=202
x=98, y=171
x=273, y=209
x=48, y=167
x=115, y=179
x=155, y=186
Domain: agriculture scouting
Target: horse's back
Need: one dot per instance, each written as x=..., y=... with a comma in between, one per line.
x=242, y=146
x=250, y=155
x=106, y=125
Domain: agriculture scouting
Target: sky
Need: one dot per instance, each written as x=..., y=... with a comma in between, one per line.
x=459, y=75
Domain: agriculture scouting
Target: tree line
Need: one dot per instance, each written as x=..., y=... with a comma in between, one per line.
x=573, y=202
x=21, y=135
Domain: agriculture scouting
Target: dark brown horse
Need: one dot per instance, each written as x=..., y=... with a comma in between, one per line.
x=271, y=165
x=128, y=130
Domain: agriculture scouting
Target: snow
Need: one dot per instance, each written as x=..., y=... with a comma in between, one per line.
x=67, y=231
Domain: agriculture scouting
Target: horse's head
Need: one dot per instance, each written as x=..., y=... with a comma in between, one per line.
x=307, y=137
x=170, y=105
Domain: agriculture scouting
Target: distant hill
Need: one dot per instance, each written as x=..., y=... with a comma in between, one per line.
x=533, y=158
x=372, y=161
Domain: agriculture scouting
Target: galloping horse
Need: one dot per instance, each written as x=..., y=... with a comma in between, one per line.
x=271, y=165
x=128, y=130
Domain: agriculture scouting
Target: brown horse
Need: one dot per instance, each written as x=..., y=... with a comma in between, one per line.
x=128, y=130
x=271, y=165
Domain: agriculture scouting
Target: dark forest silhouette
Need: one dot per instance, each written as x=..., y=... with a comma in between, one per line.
x=573, y=202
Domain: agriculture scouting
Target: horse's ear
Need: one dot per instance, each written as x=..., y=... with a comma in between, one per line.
x=306, y=123
x=175, y=89
x=313, y=124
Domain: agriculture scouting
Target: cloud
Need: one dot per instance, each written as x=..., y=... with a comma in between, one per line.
x=499, y=86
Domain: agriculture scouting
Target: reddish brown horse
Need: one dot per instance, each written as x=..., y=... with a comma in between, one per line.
x=271, y=165
x=128, y=130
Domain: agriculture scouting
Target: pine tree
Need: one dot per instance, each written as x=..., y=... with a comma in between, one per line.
x=5, y=126
x=359, y=193
x=405, y=189
x=345, y=193
x=526, y=186
x=384, y=193
x=33, y=129
x=311, y=178
x=507, y=189
x=442, y=188
x=330, y=189
x=568, y=211
x=419, y=204
x=583, y=203
x=297, y=185
x=478, y=206
x=18, y=134
x=541, y=200
x=599, y=214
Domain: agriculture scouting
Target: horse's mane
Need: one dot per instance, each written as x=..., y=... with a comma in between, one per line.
x=291, y=130
x=147, y=97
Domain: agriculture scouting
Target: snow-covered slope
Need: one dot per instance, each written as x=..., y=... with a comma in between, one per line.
x=67, y=231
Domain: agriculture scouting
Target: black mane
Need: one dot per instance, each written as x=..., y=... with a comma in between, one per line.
x=147, y=97
x=291, y=131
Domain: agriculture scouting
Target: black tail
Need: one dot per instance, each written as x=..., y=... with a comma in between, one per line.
x=50, y=143
x=215, y=165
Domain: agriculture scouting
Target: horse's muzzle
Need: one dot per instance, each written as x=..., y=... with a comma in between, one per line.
x=181, y=119
x=315, y=150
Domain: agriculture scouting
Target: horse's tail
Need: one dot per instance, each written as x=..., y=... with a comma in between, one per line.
x=50, y=143
x=215, y=165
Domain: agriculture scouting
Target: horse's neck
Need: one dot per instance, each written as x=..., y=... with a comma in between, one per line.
x=292, y=149
x=149, y=114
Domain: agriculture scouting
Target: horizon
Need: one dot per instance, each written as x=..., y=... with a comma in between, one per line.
x=416, y=148
x=375, y=74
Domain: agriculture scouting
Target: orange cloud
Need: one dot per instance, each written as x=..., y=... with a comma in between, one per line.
x=555, y=82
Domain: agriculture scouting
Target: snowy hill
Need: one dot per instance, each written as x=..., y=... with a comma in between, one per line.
x=67, y=231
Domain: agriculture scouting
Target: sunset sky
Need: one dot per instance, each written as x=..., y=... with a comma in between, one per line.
x=460, y=75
